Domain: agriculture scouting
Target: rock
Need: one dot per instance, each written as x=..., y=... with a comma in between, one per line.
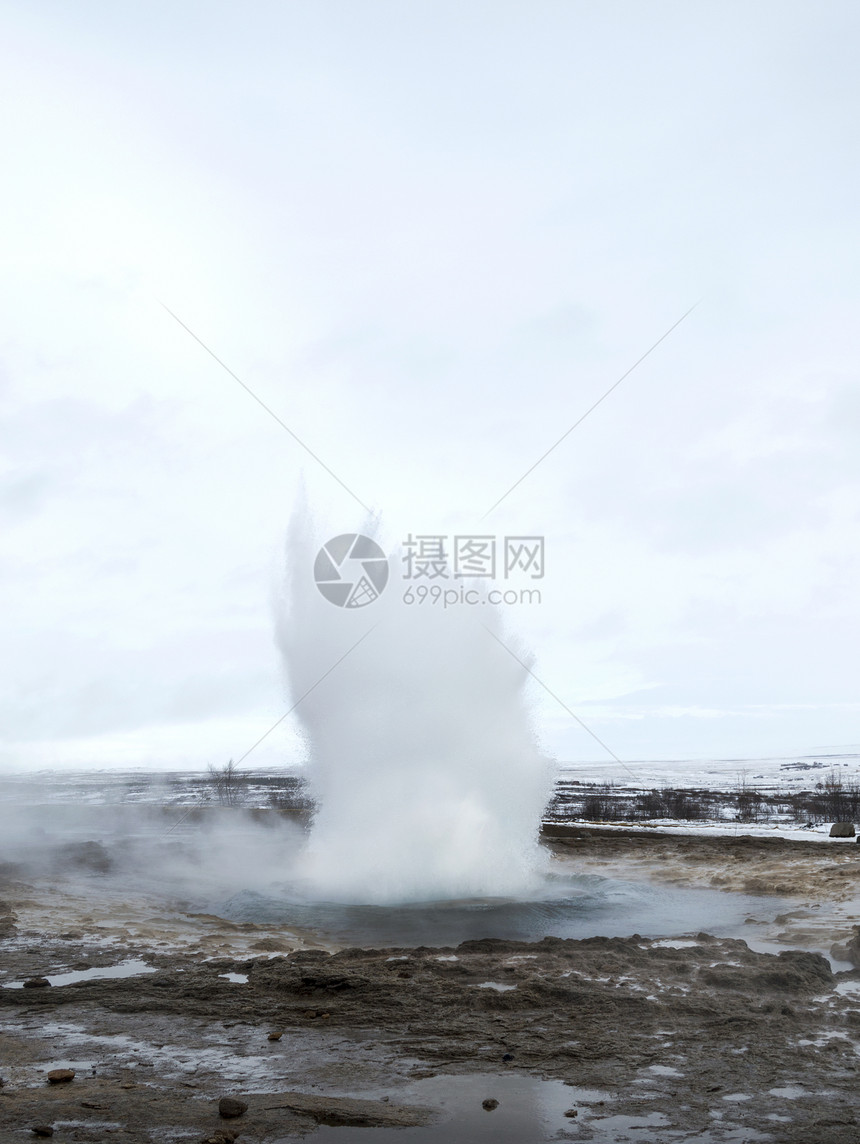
x=7, y=921
x=83, y=856
x=349, y=1112
x=222, y=1136
x=230, y=1108
x=275, y=1036
x=842, y=830
x=36, y=983
x=8, y=927
x=61, y=1076
x=571, y=1113
x=490, y=1104
x=849, y=950
x=42, y=1130
x=507, y=1056
x=271, y=945
x=324, y=979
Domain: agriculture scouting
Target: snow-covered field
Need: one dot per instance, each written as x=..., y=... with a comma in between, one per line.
x=787, y=772
x=775, y=777
x=790, y=796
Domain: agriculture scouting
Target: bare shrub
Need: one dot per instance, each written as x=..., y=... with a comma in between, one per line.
x=229, y=784
x=598, y=807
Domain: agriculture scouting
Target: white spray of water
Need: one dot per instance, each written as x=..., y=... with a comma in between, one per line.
x=427, y=774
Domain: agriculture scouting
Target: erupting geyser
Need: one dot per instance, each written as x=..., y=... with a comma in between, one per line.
x=426, y=772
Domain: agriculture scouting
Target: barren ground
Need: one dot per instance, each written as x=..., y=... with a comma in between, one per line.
x=697, y=1038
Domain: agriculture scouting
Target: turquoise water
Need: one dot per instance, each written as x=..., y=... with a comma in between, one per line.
x=575, y=906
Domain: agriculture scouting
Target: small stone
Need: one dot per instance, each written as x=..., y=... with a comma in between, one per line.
x=60, y=1076
x=223, y=1136
x=571, y=1113
x=489, y=1104
x=230, y=1108
x=507, y=1056
x=42, y=1130
x=37, y=983
x=325, y=1016
x=275, y=1036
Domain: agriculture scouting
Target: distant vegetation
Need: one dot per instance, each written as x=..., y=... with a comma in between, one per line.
x=228, y=783
x=833, y=800
x=233, y=787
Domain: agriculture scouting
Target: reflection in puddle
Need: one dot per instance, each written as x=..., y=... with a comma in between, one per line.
x=528, y=1110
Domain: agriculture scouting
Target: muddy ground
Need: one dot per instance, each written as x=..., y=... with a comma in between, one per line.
x=698, y=1038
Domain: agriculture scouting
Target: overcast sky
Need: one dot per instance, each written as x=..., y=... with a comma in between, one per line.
x=429, y=236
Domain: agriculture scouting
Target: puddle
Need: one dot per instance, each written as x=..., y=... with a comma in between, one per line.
x=89, y=1126
x=497, y=985
x=615, y=1128
x=565, y=905
x=97, y=973
x=238, y=978
x=846, y=988
x=236, y=1057
x=761, y=945
x=528, y=1110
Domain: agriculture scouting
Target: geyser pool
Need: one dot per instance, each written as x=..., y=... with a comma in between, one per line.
x=422, y=758
x=566, y=905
